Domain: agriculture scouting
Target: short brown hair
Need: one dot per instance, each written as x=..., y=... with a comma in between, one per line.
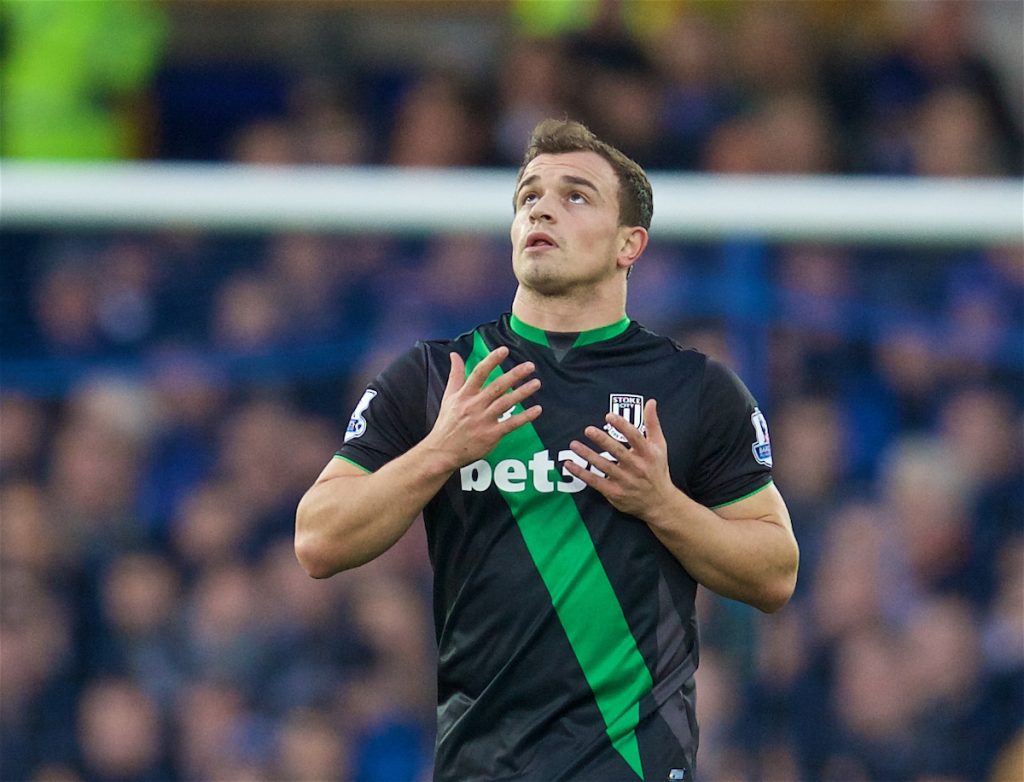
x=558, y=136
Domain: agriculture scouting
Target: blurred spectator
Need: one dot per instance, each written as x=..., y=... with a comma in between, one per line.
x=848, y=590
x=311, y=631
x=65, y=310
x=226, y=635
x=120, y=732
x=817, y=291
x=93, y=477
x=126, y=302
x=953, y=137
x=75, y=77
x=249, y=316
x=332, y=136
x=314, y=127
x=37, y=667
x=391, y=705
x=266, y=142
x=873, y=713
x=807, y=433
x=305, y=274
x=31, y=538
x=938, y=52
x=251, y=439
x=309, y=747
x=984, y=432
x=773, y=52
x=796, y=135
x=213, y=526
x=24, y=435
x=925, y=498
x=944, y=685
x=690, y=54
x=717, y=710
x=139, y=598
x=438, y=123
x=1002, y=644
x=188, y=393
x=461, y=281
x=897, y=394
x=209, y=717
x=532, y=85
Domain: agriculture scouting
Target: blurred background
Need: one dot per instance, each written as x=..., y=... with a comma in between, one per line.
x=168, y=393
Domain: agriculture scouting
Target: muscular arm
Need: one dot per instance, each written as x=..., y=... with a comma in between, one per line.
x=348, y=517
x=745, y=551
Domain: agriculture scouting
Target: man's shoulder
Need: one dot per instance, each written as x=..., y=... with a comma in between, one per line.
x=667, y=347
x=462, y=343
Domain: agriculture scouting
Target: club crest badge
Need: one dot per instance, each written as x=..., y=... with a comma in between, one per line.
x=357, y=423
x=762, y=447
x=630, y=407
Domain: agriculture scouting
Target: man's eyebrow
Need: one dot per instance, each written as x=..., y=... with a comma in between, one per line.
x=528, y=181
x=568, y=179
x=577, y=180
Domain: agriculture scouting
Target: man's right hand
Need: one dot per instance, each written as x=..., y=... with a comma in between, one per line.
x=470, y=422
x=348, y=517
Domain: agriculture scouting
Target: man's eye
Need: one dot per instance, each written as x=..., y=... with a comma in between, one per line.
x=577, y=198
x=528, y=198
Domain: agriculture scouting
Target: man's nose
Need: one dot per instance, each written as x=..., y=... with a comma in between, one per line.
x=541, y=209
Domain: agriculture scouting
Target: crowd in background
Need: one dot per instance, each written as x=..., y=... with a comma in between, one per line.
x=168, y=396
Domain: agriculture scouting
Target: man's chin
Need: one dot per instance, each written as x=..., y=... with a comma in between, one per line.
x=544, y=282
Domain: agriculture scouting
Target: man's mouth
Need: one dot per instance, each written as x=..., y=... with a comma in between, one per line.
x=539, y=240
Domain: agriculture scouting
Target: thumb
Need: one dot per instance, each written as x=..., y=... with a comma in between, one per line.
x=457, y=374
x=654, y=431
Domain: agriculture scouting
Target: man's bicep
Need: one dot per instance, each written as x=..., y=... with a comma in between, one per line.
x=765, y=504
x=341, y=467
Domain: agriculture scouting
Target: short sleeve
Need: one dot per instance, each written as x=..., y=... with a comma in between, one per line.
x=388, y=420
x=734, y=457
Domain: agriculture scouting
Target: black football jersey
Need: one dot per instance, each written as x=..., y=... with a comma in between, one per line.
x=566, y=631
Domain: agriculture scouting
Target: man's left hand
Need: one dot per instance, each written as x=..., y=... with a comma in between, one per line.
x=638, y=479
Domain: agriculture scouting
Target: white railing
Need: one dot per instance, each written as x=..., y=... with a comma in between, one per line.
x=687, y=206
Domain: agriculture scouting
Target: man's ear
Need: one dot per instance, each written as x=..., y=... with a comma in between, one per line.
x=633, y=242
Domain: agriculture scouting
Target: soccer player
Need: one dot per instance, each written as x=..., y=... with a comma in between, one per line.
x=579, y=476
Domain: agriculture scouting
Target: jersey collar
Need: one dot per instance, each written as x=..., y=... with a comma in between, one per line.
x=589, y=337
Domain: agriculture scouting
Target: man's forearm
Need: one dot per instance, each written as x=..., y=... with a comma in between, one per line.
x=345, y=521
x=753, y=560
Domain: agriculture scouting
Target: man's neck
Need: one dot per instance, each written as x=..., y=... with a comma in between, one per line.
x=552, y=313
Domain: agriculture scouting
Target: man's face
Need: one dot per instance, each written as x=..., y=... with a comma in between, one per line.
x=566, y=233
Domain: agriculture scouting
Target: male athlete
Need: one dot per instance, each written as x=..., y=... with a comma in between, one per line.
x=578, y=476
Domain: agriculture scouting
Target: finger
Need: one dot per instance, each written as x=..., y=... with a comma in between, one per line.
x=604, y=464
x=520, y=419
x=511, y=378
x=627, y=430
x=456, y=375
x=592, y=479
x=483, y=370
x=654, y=431
x=606, y=442
x=513, y=398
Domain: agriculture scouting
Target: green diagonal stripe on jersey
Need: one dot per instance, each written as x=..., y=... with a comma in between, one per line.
x=564, y=554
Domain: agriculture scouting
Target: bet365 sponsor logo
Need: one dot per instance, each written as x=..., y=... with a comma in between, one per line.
x=541, y=473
